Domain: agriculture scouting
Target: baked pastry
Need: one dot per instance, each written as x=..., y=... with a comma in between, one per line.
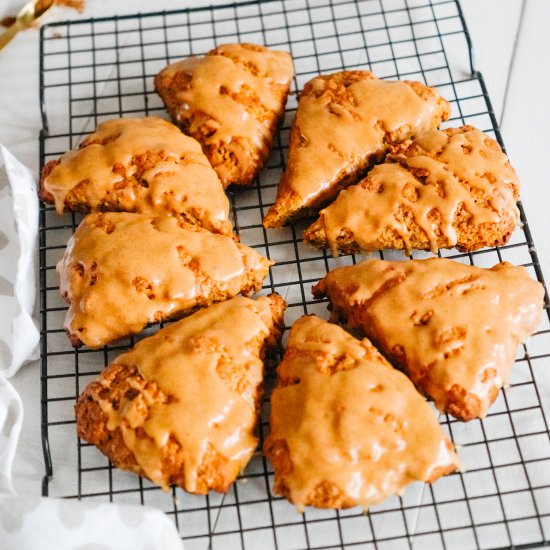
x=453, y=328
x=446, y=188
x=143, y=165
x=231, y=100
x=121, y=271
x=347, y=429
x=345, y=124
x=181, y=406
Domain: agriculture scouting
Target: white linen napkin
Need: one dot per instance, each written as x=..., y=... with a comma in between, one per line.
x=19, y=335
x=34, y=523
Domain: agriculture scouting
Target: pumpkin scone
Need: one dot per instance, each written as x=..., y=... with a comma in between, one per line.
x=453, y=328
x=345, y=123
x=181, y=406
x=231, y=100
x=143, y=165
x=446, y=188
x=347, y=429
x=122, y=271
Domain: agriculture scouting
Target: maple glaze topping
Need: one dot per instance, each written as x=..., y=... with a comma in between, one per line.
x=349, y=420
x=121, y=271
x=430, y=181
x=455, y=328
x=192, y=362
x=234, y=81
x=141, y=165
x=337, y=134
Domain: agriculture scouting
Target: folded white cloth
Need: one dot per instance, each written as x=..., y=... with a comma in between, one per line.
x=19, y=335
x=34, y=523
x=11, y=418
x=18, y=238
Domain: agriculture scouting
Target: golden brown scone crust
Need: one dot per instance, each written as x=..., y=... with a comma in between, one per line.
x=231, y=101
x=346, y=428
x=167, y=408
x=122, y=271
x=345, y=124
x=446, y=188
x=143, y=165
x=453, y=328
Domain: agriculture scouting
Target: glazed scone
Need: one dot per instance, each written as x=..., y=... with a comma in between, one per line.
x=122, y=271
x=181, y=406
x=453, y=328
x=347, y=429
x=345, y=123
x=231, y=100
x=446, y=188
x=143, y=165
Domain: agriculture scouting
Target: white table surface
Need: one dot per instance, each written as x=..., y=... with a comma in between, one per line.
x=510, y=39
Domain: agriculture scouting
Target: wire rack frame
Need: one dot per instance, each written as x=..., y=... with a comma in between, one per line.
x=95, y=69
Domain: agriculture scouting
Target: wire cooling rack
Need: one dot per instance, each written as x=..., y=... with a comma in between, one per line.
x=98, y=69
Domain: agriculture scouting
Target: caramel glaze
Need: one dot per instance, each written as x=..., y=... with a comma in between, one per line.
x=346, y=428
x=453, y=328
x=121, y=271
x=208, y=368
x=447, y=188
x=345, y=123
x=143, y=165
x=230, y=99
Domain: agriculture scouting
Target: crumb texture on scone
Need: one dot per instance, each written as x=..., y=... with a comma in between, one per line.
x=143, y=165
x=231, y=100
x=347, y=429
x=446, y=188
x=453, y=328
x=182, y=405
x=345, y=124
x=122, y=271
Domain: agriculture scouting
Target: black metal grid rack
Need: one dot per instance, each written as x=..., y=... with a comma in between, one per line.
x=97, y=69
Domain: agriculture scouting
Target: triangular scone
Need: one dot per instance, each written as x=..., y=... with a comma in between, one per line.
x=231, y=100
x=446, y=188
x=347, y=429
x=345, y=124
x=143, y=165
x=122, y=271
x=453, y=328
x=181, y=406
